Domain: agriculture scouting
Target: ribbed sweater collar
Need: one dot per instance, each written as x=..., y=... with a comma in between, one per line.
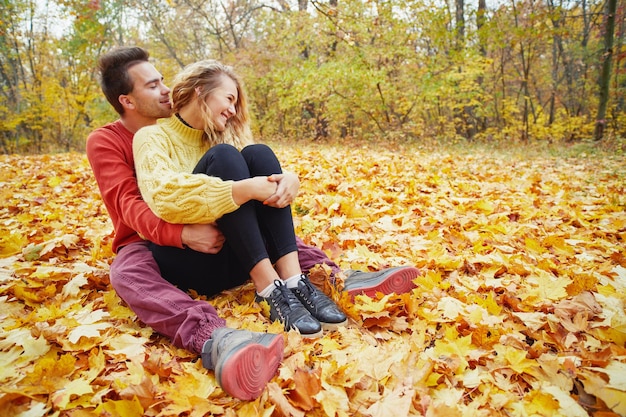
x=187, y=134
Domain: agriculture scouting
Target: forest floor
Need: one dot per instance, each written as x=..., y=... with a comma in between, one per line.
x=519, y=309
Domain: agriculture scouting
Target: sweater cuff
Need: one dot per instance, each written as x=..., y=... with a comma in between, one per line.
x=222, y=201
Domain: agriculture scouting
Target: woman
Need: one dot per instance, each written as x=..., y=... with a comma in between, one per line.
x=244, y=192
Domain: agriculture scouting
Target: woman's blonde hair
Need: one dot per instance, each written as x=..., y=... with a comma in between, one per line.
x=204, y=77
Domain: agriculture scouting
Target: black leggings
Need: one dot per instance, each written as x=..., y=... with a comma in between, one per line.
x=253, y=232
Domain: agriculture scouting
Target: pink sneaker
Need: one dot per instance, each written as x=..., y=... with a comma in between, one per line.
x=243, y=361
x=396, y=280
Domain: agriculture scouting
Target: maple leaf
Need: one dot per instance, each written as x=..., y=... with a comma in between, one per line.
x=307, y=384
x=515, y=359
x=75, y=387
x=538, y=402
x=283, y=405
x=50, y=371
x=96, y=364
x=333, y=399
x=145, y=392
x=396, y=403
x=533, y=321
x=547, y=287
x=127, y=346
x=11, y=243
x=452, y=351
x=8, y=361
x=32, y=347
x=72, y=288
x=126, y=408
x=595, y=384
x=87, y=331
x=613, y=325
x=446, y=400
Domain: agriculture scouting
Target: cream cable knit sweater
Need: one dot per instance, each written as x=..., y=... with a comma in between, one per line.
x=165, y=156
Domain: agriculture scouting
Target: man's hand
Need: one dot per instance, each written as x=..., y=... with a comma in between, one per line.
x=205, y=238
x=286, y=190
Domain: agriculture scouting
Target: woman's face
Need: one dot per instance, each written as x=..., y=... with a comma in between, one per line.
x=222, y=103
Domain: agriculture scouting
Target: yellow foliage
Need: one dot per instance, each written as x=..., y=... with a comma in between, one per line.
x=519, y=308
x=121, y=408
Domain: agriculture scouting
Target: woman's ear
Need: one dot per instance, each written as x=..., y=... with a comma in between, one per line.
x=198, y=91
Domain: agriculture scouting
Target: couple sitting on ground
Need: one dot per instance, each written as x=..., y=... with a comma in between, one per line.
x=195, y=204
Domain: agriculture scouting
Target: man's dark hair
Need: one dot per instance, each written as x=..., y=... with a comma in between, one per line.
x=114, y=78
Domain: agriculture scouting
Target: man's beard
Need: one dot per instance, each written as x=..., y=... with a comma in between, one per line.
x=155, y=112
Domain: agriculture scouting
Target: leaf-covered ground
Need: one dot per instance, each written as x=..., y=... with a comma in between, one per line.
x=519, y=310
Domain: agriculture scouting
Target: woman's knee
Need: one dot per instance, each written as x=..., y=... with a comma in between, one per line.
x=223, y=149
x=261, y=160
x=220, y=153
x=223, y=161
x=258, y=149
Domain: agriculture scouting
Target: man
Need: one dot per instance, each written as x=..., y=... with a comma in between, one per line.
x=243, y=361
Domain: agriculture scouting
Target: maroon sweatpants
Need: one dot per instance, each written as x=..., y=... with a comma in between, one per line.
x=136, y=278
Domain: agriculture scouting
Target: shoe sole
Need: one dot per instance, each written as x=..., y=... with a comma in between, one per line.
x=313, y=335
x=333, y=326
x=244, y=374
x=398, y=282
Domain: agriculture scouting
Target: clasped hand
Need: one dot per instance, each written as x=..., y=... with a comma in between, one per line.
x=287, y=185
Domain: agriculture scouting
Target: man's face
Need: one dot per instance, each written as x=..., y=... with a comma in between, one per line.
x=150, y=98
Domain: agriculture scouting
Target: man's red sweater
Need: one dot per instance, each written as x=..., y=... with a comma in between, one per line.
x=110, y=153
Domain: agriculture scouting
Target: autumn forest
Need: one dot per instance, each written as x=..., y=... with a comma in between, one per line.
x=502, y=71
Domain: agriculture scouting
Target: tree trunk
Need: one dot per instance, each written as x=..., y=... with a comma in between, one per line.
x=605, y=75
x=620, y=63
x=460, y=24
x=481, y=19
x=557, y=49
